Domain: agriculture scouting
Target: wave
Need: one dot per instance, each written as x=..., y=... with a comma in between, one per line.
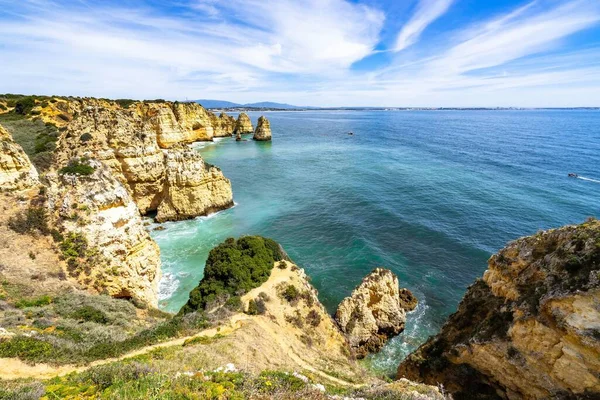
x=588, y=179
x=168, y=286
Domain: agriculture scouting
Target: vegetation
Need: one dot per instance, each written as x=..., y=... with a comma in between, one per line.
x=25, y=105
x=77, y=167
x=232, y=269
x=34, y=219
x=290, y=293
x=37, y=139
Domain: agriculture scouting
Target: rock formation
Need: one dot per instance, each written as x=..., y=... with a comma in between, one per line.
x=374, y=312
x=243, y=124
x=172, y=181
x=223, y=125
x=192, y=187
x=16, y=171
x=103, y=225
x=530, y=329
x=263, y=130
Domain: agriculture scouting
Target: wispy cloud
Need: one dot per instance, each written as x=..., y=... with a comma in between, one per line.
x=299, y=52
x=427, y=11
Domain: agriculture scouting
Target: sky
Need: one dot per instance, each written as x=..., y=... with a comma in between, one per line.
x=396, y=53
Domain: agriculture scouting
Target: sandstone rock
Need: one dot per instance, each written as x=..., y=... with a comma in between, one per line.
x=132, y=143
x=243, y=124
x=529, y=328
x=16, y=171
x=263, y=130
x=374, y=312
x=122, y=259
x=192, y=187
x=227, y=124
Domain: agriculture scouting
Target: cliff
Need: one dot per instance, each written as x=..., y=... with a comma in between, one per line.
x=529, y=329
x=16, y=171
x=145, y=146
x=263, y=130
x=243, y=124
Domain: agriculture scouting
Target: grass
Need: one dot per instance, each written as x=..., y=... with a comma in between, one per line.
x=37, y=139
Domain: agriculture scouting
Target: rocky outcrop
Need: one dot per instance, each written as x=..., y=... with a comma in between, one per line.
x=530, y=329
x=243, y=124
x=227, y=124
x=104, y=240
x=263, y=130
x=192, y=187
x=374, y=312
x=133, y=143
x=16, y=171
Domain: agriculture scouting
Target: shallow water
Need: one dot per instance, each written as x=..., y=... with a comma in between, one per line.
x=428, y=194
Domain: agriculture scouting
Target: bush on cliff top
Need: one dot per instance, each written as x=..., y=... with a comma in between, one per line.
x=233, y=268
x=76, y=167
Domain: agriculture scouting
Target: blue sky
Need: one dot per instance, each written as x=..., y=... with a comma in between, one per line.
x=307, y=52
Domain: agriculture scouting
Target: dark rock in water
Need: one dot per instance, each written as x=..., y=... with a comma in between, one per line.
x=159, y=228
x=530, y=329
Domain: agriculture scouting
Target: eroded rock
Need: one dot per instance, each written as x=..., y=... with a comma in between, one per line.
x=529, y=329
x=243, y=124
x=263, y=130
x=16, y=171
x=374, y=312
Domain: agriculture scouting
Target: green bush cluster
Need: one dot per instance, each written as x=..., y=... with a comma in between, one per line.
x=26, y=348
x=90, y=314
x=34, y=302
x=77, y=167
x=290, y=293
x=232, y=269
x=25, y=105
x=34, y=219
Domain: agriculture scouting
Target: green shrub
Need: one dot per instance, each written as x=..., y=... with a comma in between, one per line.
x=34, y=219
x=313, y=318
x=27, y=348
x=233, y=268
x=34, y=302
x=76, y=167
x=90, y=314
x=124, y=103
x=252, y=308
x=290, y=293
x=86, y=137
x=24, y=105
x=74, y=245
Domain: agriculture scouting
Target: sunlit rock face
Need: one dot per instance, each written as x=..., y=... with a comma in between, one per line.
x=16, y=171
x=263, y=130
x=529, y=329
x=243, y=124
x=374, y=312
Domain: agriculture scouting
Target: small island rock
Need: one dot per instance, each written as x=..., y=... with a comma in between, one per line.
x=243, y=124
x=375, y=311
x=263, y=130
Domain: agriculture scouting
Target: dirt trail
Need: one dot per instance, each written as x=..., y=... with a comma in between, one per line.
x=13, y=368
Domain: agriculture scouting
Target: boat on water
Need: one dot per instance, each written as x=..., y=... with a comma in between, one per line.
x=572, y=175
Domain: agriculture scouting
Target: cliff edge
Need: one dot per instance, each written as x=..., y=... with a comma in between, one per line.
x=530, y=329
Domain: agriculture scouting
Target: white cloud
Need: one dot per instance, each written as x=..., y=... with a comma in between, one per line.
x=427, y=11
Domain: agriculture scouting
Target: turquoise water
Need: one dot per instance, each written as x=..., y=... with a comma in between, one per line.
x=429, y=194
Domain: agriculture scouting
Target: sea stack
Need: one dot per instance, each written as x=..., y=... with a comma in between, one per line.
x=263, y=130
x=374, y=312
x=243, y=124
x=227, y=123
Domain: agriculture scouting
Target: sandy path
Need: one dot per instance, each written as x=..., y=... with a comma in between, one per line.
x=13, y=368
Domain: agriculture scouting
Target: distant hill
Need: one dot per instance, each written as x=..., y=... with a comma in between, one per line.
x=207, y=103
x=217, y=103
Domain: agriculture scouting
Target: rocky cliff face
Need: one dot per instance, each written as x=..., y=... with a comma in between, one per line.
x=529, y=329
x=140, y=145
x=16, y=171
x=227, y=123
x=263, y=130
x=104, y=239
x=243, y=124
x=374, y=312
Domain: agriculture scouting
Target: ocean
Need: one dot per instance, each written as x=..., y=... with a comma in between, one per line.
x=428, y=194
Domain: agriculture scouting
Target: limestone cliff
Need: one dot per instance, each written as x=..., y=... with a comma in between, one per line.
x=227, y=123
x=140, y=145
x=16, y=171
x=263, y=130
x=529, y=329
x=374, y=312
x=243, y=124
x=192, y=187
x=105, y=243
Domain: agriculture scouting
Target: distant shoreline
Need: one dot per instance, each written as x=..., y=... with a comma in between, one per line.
x=248, y=109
